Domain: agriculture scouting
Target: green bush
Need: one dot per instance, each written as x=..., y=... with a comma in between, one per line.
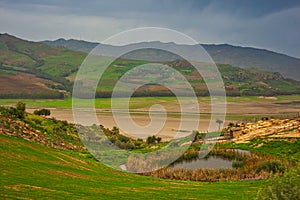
x=286, y=187
x=153, y=139
x=238, y=164
x=271, y=166
x=12, y=112
x=43, y=111
x=21, y=106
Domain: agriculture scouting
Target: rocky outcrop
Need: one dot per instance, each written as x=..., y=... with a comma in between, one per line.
x=272, y=128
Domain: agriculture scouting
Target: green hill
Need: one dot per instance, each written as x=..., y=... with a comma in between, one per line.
x=237, y=81
x=43, y=158
x=36, y=62
x=245, y=57
x=31, y=171
x=36, y=70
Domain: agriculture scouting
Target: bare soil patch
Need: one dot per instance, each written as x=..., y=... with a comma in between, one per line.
x=236, y=111
x=23, y=83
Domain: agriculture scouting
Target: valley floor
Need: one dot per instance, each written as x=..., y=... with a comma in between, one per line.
x=239, y=109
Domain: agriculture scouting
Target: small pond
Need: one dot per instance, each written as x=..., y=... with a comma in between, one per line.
x=212, y=162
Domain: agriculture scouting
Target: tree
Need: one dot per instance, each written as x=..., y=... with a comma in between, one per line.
x=43, y=111
x=21, y=106
x=151, y=139
x=15, y=113
x=158, y=139
x=218, y=121
x=115, y=130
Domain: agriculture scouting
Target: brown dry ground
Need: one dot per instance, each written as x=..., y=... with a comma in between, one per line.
x=236, y=112
x=22, y=83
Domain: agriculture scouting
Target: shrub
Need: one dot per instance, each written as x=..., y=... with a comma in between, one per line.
x=115, y=130
x=123, y=138
x=153, y=139
x=158, y=139
x=15, y=113
x=21, y=106
x=238, y=164
x=286, y=187
x=271, y=166
x=43, y=111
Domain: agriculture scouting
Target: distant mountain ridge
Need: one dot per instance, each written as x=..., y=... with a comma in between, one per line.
x=244, y=57
x=75, y=45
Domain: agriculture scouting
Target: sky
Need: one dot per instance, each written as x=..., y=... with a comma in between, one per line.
x=267, y=24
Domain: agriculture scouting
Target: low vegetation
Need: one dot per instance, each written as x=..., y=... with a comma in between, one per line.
x=59, y=134
x=14, y=121
x=282, y=187
x=43, y=111
x=246, y=167
x=71, y=162
x=30, y=171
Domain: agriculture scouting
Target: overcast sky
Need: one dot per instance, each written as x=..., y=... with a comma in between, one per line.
x=273, y=25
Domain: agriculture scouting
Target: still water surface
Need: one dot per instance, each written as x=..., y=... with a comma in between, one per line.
x=212, y=162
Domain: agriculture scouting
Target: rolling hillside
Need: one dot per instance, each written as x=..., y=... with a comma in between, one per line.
x=31, y=69
x=237, y=81
x=36, y=70
x=43, y=158
x=30, y=171
x=245, y=57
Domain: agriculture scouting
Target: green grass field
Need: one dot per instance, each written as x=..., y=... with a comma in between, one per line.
x=139, y=102
x=33, y=171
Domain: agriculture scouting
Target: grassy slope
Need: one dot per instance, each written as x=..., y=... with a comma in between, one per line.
x=29, y=56
x=237, y=81
x=40, y=60
x=283, y=148
x=30, y=170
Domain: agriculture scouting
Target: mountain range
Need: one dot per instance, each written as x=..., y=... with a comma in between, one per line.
x=244, y=57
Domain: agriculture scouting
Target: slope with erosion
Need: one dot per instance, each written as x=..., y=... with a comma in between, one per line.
x=50, y=64
x=25, y=85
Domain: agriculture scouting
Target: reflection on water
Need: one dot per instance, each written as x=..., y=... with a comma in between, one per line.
x=211, y=162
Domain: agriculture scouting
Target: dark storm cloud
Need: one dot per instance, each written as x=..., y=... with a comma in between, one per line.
x=273, y=25
x=247, y=8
